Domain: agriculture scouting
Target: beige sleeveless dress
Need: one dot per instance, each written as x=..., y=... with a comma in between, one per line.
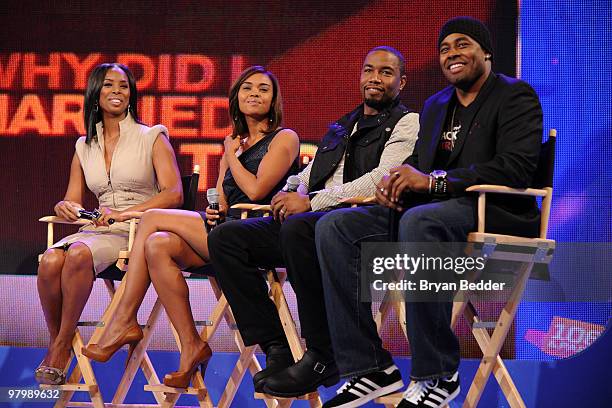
x=131, y=181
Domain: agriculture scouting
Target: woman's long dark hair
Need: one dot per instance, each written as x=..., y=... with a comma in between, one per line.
x=275, y=116
x=92, y=111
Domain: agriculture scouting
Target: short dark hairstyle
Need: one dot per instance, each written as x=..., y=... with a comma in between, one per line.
x=275, y=116
x=391, y=50
x=91, y=110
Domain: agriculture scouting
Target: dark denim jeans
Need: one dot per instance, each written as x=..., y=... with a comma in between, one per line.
x=357, y=347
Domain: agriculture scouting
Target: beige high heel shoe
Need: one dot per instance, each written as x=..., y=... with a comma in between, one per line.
x=132, y=335
x=181, y=379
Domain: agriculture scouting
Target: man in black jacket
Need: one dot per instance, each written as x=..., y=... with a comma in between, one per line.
x=485, y=128
x=356, y=151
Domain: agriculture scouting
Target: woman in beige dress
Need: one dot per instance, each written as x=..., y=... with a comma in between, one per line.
x=129, y=167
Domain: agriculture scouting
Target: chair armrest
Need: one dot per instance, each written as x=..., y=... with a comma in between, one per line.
x=245, y=206
x=491, y=188
x=59, y=220
x=133, y=215
x=359, y=200
x=53, y=219
x=483, y=189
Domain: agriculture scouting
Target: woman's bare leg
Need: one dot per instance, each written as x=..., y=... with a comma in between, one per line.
x=186, y=224
x=49, y=286
x=167, y=254
x=76, y=282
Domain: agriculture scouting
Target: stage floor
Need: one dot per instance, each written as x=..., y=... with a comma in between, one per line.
x=577, y=382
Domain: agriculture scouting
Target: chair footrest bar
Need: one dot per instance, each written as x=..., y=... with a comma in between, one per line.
x=111, y=405
x=394, y=399
x=90, y=324
x=484, y=325
x=172, y=390
x=309, y=396
x=203, y=323
x=70, y=387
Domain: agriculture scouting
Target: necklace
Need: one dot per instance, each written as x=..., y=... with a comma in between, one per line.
x=453, y=135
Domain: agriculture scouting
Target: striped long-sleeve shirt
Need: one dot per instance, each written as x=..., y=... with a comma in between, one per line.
x=398, y=147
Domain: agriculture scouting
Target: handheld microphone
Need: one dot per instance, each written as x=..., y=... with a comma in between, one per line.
x=92, y=215
x=212, y=195
x=293, y=182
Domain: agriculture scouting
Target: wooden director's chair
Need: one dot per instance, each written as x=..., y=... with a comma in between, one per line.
x=276, y=278
x=246, y=361
x=170, y=395
x=391, y=301
x=139, y=358
x=525, y=251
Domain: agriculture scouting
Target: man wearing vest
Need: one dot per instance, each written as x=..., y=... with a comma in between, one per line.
x=354, y=154
x=484, y=128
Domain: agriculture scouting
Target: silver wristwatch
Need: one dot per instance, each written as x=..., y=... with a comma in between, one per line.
x=440, y=182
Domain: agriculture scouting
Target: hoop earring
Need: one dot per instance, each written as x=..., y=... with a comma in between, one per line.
x=96, y=107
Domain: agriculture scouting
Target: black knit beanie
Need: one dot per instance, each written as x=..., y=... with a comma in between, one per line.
x=469, y=26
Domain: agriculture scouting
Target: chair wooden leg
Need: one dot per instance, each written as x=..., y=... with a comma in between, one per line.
x=235, y=379
x=499, y=369
x=400, y=311
x=109, y=312
x=458, y=310
x=82, y=369
x=491, y=357
x=315, y=403
x=173, y=394
x=278, y=297
x=140, y=359
x=247, y=359
x=170, y=400
x=76, y=375
x=382, y=314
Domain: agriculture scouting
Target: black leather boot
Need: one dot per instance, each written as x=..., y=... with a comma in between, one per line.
x=303, y=377
x=278, y=358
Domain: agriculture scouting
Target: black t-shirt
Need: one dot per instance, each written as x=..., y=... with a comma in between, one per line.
x=454, y=127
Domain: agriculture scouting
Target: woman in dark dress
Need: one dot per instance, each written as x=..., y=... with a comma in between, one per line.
x=258, y=157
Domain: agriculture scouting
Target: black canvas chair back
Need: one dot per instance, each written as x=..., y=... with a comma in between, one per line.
x=190, y=191
x=546, y=165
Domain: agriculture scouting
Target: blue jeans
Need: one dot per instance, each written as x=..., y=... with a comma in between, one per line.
x=357, y=347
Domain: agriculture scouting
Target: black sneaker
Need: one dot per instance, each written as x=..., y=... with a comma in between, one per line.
x=360, y=390
x=431, y=393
